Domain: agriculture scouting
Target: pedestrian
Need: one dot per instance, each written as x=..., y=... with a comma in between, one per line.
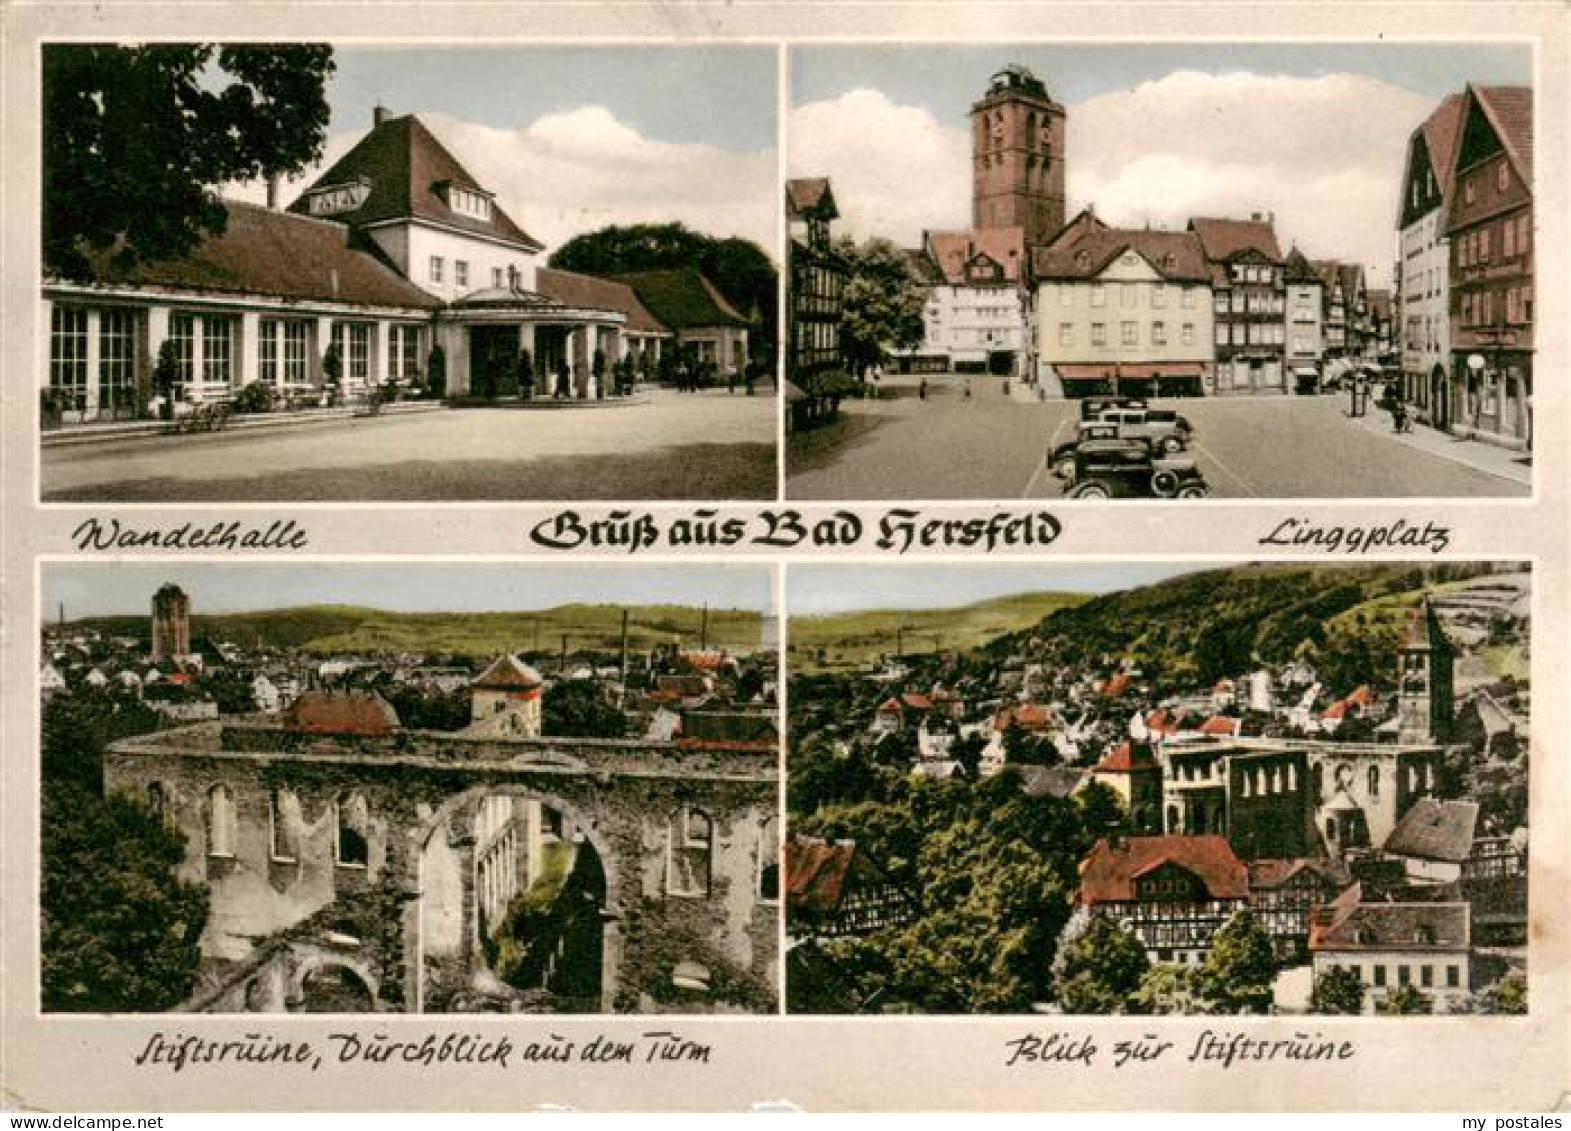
x=730, y=379
x=921, y=390
x=968, y=389
x=1398, y=415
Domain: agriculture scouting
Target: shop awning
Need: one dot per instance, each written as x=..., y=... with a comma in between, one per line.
x=1130, y=371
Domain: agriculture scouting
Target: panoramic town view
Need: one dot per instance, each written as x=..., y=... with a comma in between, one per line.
x=1142, y=789
x=1160, y=271
x=363, y=281
x=438, y=789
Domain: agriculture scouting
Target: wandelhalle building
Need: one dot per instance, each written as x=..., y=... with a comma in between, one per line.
x=396, y=249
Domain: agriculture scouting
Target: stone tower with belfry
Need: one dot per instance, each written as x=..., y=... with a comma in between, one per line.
x=1426, y=706
x=1017, y=157
x=171, y=623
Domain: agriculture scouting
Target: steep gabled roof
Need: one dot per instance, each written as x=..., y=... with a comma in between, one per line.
x=1346, y=924
x=1175, y=256
x=1298, y=269
x=507, y=672
x=265, y=252
x=406, y=168
x=325, y=712
x=1126, y=758
x=810, y=195
x=1224, y=238
x=1440, y=131
x=1435, y=830
x=683, y=299
x=953, y=252
x=1510, y=110
x=1109, y=873
x=592, y=292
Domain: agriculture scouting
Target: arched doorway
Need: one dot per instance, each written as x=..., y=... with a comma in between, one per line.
x=334, y=988
x=513, y=908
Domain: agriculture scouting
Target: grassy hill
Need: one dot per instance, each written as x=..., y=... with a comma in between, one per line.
x=857, y=637
x=349, y=628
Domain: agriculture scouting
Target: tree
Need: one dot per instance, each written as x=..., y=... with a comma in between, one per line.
x=577, y=709
x=1099, y=966
x=1100, y=808
x=1508, y=995
x=1169, y=989
x=881, y=305
x=1405, y=1001
x=1338, y=989
x=967, y=750
x=166, y=375
x=1241, y=967
x=136, y=139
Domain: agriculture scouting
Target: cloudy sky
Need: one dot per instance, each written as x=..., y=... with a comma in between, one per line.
x=817, y=589
x=103, y=589
x=574, y=138
x=1156, y=133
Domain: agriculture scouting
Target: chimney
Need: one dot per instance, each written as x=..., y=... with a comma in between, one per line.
x=272, y=192
x=379, y=114
x=1256, y=217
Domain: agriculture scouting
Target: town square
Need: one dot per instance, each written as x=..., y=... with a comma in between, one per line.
x=1141, y=307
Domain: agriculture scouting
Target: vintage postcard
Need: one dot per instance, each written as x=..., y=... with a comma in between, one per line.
x=871, y=556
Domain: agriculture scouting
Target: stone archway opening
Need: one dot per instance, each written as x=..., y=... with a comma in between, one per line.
x=514, y=902
x=332, y=987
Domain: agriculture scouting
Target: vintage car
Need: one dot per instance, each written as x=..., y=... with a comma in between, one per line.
x=1123, y=468
x=1166, y=432
x=1093, y=407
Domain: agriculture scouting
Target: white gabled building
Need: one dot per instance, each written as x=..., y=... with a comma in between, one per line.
x=1423, y=332
x=976, y=315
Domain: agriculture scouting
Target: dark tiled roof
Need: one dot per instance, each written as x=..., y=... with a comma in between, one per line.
x=1347, y=924
x=274, y=254
x=595, y=293
x=1435, y=830
x=951, y=252
x=816, y=872
x=324, y=712
x=1176, y=256
x=1267, y=875
x=683, y=299
x=1510, y=108
x=810, y=194
x=1379, y=302
x=406, y=165
x=508, y=672
x=1299, y=270
x=1223, y=238
x=1108, y=874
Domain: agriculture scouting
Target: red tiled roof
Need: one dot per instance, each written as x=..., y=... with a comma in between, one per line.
x=507, y=672
x=1030, y=716
x=589, y=291
x=1267, y=875
x=1108, y=874
x=1441, y=130
x=916, y=701
x=891, y=704
x=1225, y=238
x=1221, y=726
x=266, y=252
x=810, y=194
x=952, y=251
x=708, y=661
x=324, y=712
x=1126, y=758
x=1510, y=109
x=816, y=872
x=1175, y=256
x=406, y=165
x=1116, y=684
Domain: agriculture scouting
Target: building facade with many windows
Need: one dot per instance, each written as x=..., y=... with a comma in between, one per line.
x=1424, y=268
x=1489, y=226
x=1249, y=298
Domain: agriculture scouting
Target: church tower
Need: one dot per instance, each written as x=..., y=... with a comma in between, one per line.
x=171, y=624
x=1017, y=157
x=1425, y=706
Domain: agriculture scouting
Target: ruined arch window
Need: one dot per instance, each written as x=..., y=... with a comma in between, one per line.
x=769, y=861
x=350, y=845
x=284, y=826
x=690, y=843
x=1374, y=781
x=1331, y=830
x=220, y=821
x=158, y=799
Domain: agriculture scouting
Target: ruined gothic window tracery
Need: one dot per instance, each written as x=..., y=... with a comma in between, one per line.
x=352, y=818
x=690, y=845
x=769, y=861
x=220, y=821
x=284, y=826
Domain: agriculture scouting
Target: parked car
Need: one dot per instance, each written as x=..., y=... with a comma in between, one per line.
x=1126, y=468
x=1093, y=407
x=1167, y=433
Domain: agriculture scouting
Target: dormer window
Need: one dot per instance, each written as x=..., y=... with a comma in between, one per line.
x=467, y=202
x=330, y=200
